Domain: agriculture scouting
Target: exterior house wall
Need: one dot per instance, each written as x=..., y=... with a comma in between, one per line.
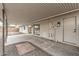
x=49, y=29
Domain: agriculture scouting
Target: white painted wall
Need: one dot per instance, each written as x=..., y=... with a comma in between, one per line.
x=46, y=31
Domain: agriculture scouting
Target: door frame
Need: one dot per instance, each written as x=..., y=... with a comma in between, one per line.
x=75, y=28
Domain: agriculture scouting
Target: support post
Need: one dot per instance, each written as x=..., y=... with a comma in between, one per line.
x=5, y=29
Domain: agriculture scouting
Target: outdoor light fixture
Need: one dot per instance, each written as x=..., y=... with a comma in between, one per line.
x=58, y=24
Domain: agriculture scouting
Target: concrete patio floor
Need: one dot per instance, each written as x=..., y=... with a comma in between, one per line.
x=50, y=47
x=11, y=50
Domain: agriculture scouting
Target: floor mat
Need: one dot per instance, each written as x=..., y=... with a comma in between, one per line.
x=24, y=48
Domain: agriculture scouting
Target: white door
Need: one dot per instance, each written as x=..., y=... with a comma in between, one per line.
x=70, y=30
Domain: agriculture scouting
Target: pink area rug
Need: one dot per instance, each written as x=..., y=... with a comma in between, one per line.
x=24, y=48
